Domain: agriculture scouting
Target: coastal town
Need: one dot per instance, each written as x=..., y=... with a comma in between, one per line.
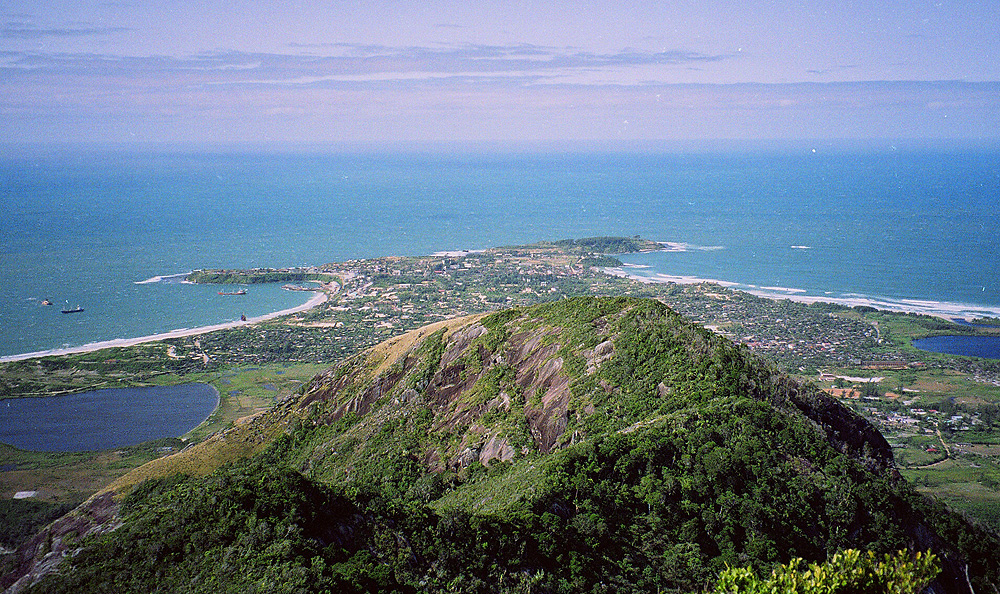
x=939, y=412
x=378, y=298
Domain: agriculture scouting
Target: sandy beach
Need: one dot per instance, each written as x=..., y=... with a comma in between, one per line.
x=317, y=299
x=940, y=309
x=945, y=310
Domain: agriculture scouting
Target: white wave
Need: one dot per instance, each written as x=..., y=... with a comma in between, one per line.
x=680, y=246
x=673, y=246
x=162, y=278
x=690, y=280
x=924, y=306
x=921, y=302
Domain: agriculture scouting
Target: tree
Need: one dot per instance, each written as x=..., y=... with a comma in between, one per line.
x=847, y=572
x=871, y=390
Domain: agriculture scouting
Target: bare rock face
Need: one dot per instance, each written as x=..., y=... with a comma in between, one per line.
x=541, y=375
x=462, y=389
x=45, y=551
x=497, y=448
x=460, y=341
x=484, y=378
x=599, y=354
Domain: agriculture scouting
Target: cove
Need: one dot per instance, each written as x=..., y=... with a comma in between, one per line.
x=104, y=419
x=987, y=347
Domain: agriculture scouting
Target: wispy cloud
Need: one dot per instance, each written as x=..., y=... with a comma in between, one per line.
x=833, y=70
x=472, y=91
x=444, y=52
x=375, y=63
x=23, y=31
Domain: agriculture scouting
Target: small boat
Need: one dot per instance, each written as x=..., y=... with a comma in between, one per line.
x=240, y=292
x=76, y=309
x=46, y=302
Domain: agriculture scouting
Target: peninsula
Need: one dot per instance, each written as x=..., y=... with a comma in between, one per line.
x=940, y=413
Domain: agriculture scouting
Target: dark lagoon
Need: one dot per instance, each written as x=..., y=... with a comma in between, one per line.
x=987, y=347
x=104, y=419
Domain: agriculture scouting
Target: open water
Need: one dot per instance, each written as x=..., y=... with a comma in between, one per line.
x=104, y=419
x=85, y=226
x=986, y=347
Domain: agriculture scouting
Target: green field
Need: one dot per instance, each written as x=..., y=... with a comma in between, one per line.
x=60, y=476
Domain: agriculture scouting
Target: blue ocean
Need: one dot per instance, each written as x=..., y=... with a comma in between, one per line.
x=108, y=229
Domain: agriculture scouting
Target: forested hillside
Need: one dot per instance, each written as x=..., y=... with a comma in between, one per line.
x=587, y=445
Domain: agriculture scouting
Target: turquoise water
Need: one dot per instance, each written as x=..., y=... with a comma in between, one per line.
x=83, y=226
x=104, y=419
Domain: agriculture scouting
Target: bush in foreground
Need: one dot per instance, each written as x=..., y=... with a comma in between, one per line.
x=847, y=572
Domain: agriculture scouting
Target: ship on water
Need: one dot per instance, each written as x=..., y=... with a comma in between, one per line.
x=240, y=292
x=69, y=310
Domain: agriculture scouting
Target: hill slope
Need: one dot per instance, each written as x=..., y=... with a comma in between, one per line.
x=585, y=445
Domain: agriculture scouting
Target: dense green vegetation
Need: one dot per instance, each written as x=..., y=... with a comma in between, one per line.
x=993, y=322
x=612, y=521
x=21, y=518
x=412, y=440
x=253, y=277
x=600, y=261
x=670, y=455
x=608, y=245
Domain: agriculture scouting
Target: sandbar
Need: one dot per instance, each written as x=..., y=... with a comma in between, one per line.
x=317, y=299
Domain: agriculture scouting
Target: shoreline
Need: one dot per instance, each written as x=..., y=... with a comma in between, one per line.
x=942, y=309
x=946, y=310
x=319, y=298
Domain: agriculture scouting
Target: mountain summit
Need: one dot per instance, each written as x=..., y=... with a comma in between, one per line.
x=585, y=445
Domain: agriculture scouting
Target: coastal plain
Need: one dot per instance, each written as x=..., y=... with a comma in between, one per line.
x=941, y=413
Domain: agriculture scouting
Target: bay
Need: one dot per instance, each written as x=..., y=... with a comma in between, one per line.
x=83, y=225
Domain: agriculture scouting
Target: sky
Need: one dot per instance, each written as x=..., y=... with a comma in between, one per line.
x=391, y=72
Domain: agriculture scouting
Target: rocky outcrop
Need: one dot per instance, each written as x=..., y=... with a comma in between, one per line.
x=847, y=431
x=518, y=385
x=529, y=353
x=45, y=551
